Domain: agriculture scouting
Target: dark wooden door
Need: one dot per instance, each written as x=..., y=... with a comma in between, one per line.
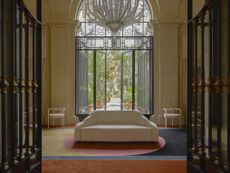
x=209, y=87
x=20, y=87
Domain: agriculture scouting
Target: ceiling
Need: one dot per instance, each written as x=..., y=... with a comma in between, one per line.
x=64, y=10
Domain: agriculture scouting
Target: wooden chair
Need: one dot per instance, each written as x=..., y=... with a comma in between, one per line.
x=56, y=113
x=172, y=113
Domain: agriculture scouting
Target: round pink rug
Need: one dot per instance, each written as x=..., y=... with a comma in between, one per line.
x=113, y=148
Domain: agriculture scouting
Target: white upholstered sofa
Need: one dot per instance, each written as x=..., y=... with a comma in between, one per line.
x=116, y=126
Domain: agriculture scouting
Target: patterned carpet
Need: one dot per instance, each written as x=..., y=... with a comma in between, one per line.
x=113, y=148
x=53, y=142
x=114, y=166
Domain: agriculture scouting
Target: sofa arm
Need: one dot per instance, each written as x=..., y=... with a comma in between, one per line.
x=146, y=122
x=153, y=124
x=86, y=122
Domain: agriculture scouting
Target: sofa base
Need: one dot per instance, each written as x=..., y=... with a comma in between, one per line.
x=119, y=133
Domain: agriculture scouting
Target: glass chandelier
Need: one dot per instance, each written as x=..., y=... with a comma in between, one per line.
x=114, y=14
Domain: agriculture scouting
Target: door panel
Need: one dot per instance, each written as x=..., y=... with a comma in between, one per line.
x=209, y=71
x=20, y=87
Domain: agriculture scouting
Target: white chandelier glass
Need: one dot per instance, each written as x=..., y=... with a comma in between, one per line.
x=115, y=14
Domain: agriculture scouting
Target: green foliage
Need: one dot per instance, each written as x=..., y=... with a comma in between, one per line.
x=113, y=76
x=90, y=78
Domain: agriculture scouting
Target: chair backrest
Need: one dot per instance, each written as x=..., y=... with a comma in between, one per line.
x=56, y=111
x=172, y=110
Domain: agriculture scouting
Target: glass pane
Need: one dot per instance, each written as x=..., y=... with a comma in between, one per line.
x=143, y=81
x=113, y=78
x=35, y=94
x=127, y=80
x=17, y=122
x=23, y=109
x=35, y=112
x=199, y=91
x=193, y=132
x=31, y=119
x=207, y=91
x=31, y=64
x=224, y=69
x=224, y=127
x=100, y=81
x=89, y=80
x=82, y=81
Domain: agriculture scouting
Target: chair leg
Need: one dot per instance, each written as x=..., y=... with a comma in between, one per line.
x=180, y=122
x=172, y=122
x=165, y=122
x=48, y=121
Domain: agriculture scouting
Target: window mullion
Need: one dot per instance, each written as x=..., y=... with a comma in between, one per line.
x=122, y=75
x=133, y=80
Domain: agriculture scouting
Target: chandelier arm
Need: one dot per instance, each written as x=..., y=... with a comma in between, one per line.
x=135, y=7
x=105, y=8
x=132, y=12
x=92, y=15
x=121, y=5
x=116, y=9
x=125, y=18
x=111, y=9
x=137, y=17
x=125, y=9
x=89, y=12
x=97, y=8
x=95, y=15
x=141, y=13
x=142, y=10
x=96, y=19
x=100, y=11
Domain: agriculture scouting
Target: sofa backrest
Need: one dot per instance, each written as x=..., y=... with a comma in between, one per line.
x=116, y=117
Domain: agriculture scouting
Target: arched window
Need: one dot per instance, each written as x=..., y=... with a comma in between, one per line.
x=114, y=72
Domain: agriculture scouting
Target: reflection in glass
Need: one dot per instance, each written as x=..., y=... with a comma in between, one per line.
x=84, y=92
x=225, y=72
x=143, y=81
x=206, y=91
x=30, y=119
